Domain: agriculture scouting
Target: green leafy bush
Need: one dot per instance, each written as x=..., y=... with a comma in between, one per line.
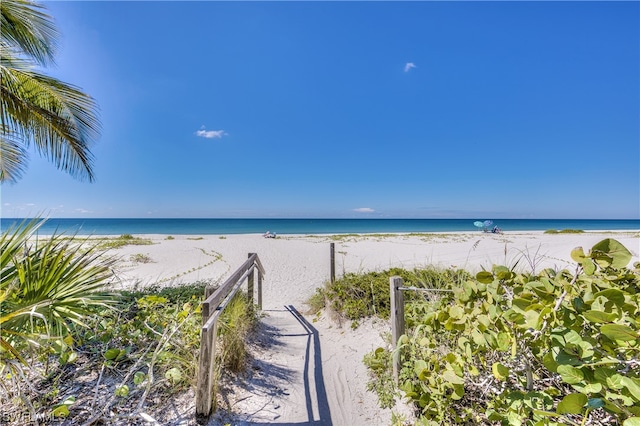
x=548, y=349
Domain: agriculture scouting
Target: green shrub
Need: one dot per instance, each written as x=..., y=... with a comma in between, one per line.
x=317, y=301
x=357, y=296
x=379, y=364
x=549, y=349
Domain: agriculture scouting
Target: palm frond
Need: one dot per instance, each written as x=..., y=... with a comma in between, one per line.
x=25, y=26
x=13, y=158
x=60, y=119
x=48, y=286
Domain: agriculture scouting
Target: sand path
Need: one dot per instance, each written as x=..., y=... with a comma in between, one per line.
x=310, y=370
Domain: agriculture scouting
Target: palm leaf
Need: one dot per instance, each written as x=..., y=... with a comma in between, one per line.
x=49, y=285
x=24, y=26
x=60, y=119
x=13, y=158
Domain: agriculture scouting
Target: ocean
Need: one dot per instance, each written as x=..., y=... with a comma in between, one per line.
x=309, y=226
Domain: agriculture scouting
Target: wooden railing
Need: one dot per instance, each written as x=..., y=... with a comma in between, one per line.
x=215, y=302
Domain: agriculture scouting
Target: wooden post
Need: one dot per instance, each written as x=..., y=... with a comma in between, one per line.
x=212, y=306
x=332, y=251
x=250, y=283
x=397, y=319
x=206, y=369
x=208, y=291
x=259, y=289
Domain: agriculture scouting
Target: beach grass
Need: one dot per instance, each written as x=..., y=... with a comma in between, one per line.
x=564, y=231
x=140, y=258
x=357, y=296
x=121, y=241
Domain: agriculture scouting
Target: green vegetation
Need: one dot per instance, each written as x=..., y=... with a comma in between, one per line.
x=169, y=238
x=48, y=289
x=140, y=258
x=121, y=241
x=556, y=348
x=564, y=231
x=60, y=120
x=316, y=302
x=70, y=350
x=237, y=321
x=356, y=296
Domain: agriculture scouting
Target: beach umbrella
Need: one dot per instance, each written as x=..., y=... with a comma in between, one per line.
x=478, y=224
x=488, y=223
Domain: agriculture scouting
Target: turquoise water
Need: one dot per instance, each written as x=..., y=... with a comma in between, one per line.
x=309, y=226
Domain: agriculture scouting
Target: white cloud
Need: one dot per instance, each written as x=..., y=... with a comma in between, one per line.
x=408, y=66
x=82, y=211
x=210, y=134
x=364, y=210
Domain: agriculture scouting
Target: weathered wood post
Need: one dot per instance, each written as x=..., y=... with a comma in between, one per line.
x=216, y=299
x=397, y=319
x=250, y=283
x=206, y=370
x=208, y=291
x=259, y=289
x=332, y=251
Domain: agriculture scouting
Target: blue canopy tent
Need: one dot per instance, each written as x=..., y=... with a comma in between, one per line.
x=483, y=224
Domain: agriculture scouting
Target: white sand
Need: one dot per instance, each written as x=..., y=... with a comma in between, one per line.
x=312, y=371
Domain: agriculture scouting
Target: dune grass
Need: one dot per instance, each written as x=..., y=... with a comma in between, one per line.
x=564, y=231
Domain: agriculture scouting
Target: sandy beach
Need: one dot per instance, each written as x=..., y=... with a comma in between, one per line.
x=309, y=369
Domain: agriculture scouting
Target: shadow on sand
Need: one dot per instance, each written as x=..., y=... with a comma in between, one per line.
x=264, y=384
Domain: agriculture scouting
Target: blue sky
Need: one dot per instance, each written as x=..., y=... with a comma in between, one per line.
x=350, y=109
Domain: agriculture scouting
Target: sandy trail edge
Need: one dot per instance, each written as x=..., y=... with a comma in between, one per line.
x=310, y=369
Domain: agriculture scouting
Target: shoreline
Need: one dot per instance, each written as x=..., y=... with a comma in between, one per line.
x=345, y=234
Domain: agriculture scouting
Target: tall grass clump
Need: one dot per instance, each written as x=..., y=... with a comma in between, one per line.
x=357, y=296
x=237, y=320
